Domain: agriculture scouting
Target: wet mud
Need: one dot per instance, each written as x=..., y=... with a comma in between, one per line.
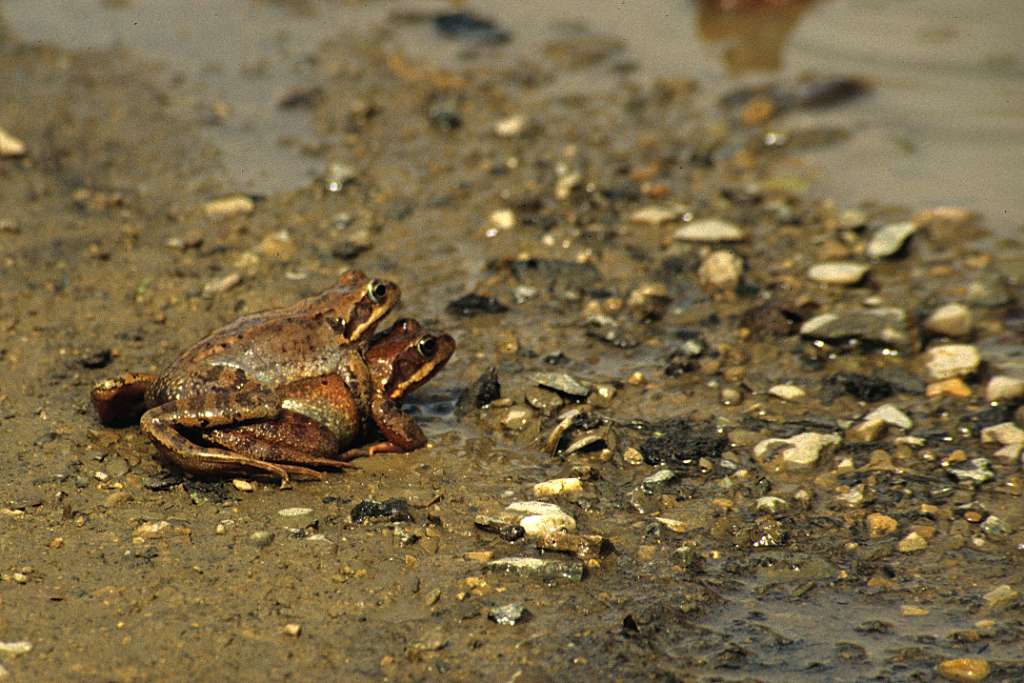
x=702, y=422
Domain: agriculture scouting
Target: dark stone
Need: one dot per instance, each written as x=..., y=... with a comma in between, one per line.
x=475, y=304
x=391, y=510
x=469, y=26
x=679, y=442
x=862, y=387
x=96, y=359
x=163, y=481
x=484, y=390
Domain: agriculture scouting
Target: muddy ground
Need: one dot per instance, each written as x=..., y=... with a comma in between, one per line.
x=893, y=553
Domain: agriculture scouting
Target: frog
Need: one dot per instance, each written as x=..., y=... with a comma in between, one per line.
x=312, y=421
x=269, y=346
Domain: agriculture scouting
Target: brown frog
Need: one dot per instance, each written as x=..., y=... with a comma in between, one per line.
x=319, y=417
x=230, y=376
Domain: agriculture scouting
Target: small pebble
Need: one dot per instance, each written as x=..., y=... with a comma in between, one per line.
x=721, y=270
x=292, y=629
x=964, y=669
x=710, y=230
x=294, y=512
x=16, y=647
x=866, y=431
x=951, y=320
x=890, y=415
x=888, y=241
x=948, y=387
x=554, y=487
x=885, y=325
x=787, y=392
x=232, y=205
x=881, y=525
x=508, y=615
x=1004, y=434
x=656, y=215
x=532, y=567
x=261, y=539
x=771, y=504
x=1000, y=597
x=633, y=456
x=221, y=284
x=150, y=530
x=10, y=146
x=914, y=611
x=838, y=272
x=912, y=543
x=1004, y=388
x=951, y=360
x=243, y=485
x=511, y=126
x=1009, y=454
x=798, y=452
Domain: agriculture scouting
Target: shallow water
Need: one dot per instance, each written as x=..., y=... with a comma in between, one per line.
x=944, y=126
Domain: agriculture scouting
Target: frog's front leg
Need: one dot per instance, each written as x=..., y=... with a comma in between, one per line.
x=399, y=429
x=164, y=423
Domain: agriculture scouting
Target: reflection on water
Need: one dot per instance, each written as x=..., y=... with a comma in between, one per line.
x=756, y=33
x=944, y=125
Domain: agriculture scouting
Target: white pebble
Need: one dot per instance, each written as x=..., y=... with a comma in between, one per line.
x=838, y=272
x=10, y=146
x=1004, y=388
x=891, y=415
x=710, y=230
x=951, y=320
x=787, y=392
x=554, y=487
x=951, y=360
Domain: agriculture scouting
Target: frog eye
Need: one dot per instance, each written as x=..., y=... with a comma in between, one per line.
x=377, y=291
x=427, y=347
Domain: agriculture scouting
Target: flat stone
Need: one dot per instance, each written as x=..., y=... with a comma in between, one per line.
x=771, y=504
x=1001, y=596
x=951, y=360
x=891, y=415
x=657, y=215
x=866, y=431
x=884, y=325
x=976, y=470
x=721, y=270
x=10, y=146
x=798, y=452
x=888, y=240
x=295, y=512
x=232, y=205
x=534, y=568
x=555, y=487
x=787, y=392
x=1009, y=454
x=15, y=647
x=951, y=320
x=948, y=387
x=540, y=519
x=1004, y=434
x=511, y=126
x=964, y=669
x=710, y=230
x=1004, y=388
x=912, y=543
x=838, y=272
x=562, y=383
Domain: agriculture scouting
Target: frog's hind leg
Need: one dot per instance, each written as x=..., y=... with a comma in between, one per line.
x=121, y=400
x=163, y=424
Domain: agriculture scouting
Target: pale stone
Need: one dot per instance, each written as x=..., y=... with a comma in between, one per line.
x=964, y=669
x=888, y=240
x=798, y=452
x=787, y=392
x=912, y=543
x=232, y=205
x=952, y=360
x=10, y=146
x=838, y=272
x=1004, y=434
x=891, y=415
x=510, y=126
x=554, y=487
x=951, y=320
x=710, y=230
x=721, y=270
x=1004, y=388
x=881, y=525
x=656, y=215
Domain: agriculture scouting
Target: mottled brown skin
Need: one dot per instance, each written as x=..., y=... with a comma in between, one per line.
x=234, y=375
x=321, y=416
